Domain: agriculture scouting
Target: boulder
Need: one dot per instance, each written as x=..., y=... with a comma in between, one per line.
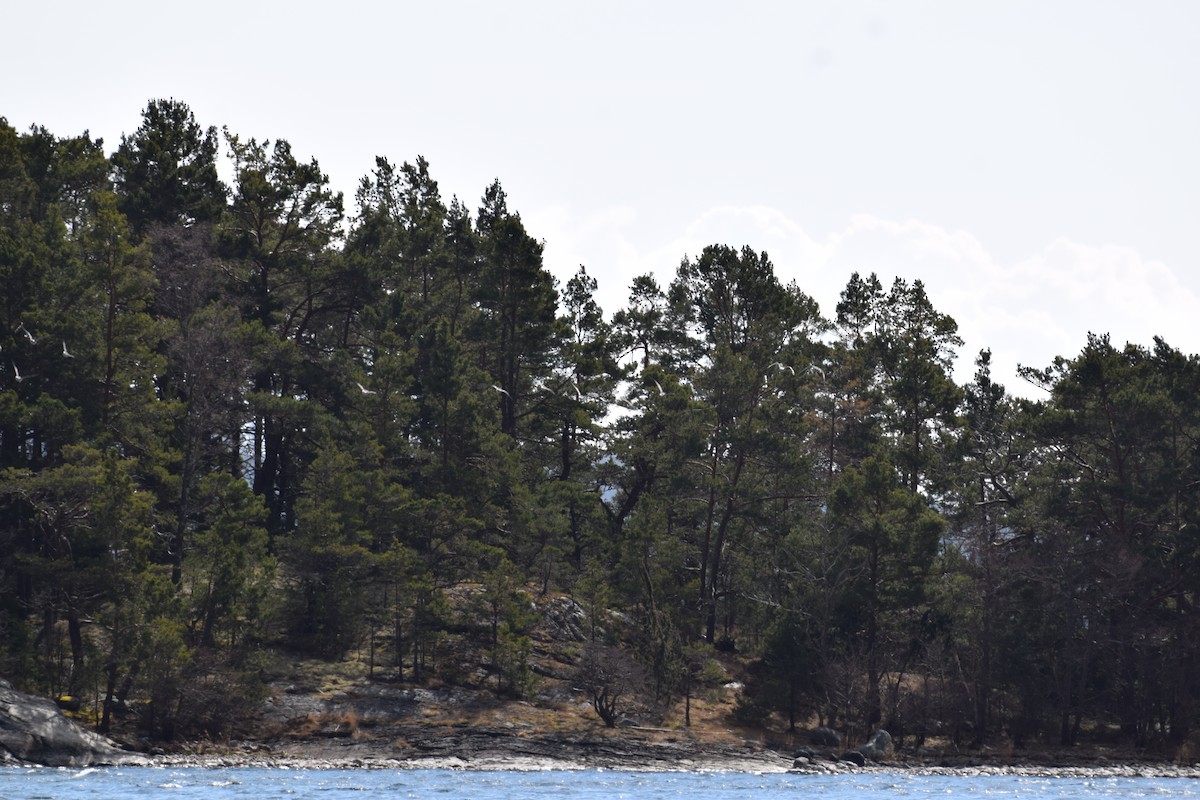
x=33, y=729
x=824, y=737
x=854, y=757
x=879, y=746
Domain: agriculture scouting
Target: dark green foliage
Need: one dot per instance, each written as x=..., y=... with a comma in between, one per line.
x=166, y=171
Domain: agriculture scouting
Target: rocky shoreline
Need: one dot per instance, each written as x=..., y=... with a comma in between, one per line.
x=778, y=763
x=492, y=750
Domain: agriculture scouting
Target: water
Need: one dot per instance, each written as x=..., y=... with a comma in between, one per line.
x=262, y=783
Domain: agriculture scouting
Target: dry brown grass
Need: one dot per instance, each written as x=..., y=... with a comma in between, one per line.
x=551, y=710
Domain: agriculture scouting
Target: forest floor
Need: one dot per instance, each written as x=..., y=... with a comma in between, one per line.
x=348, y=713
x=321, y=714
x=362, y=724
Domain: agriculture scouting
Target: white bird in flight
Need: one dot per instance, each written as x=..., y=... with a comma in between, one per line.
x=365, y=390
x=66, y=353
x=21, y=327
x=17, y=373
x=501, y=391
x=781, y=365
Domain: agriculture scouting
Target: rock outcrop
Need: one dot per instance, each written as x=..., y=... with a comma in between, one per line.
x=32, y=729
x=853, y=757
x=824, y=737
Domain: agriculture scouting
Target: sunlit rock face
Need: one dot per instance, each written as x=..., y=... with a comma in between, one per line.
x=33, y=729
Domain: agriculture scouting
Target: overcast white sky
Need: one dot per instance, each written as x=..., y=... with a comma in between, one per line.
x=1036, y=164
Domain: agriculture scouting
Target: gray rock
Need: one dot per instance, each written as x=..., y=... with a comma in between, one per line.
x=33, y=729
x=854, y=757
x=878, y=747
x=566, y=620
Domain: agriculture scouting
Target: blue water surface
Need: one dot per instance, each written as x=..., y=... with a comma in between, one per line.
x=228, y=784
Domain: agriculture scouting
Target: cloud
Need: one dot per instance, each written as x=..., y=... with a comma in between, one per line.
x=1110, y=289
x=1031, y=310
x=614, y=250
x=1026, y=311
x=600, y=241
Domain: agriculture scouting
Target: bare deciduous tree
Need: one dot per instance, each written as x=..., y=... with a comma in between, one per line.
x=611, y=677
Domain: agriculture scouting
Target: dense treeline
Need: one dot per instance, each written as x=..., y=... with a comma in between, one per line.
x=233, y=417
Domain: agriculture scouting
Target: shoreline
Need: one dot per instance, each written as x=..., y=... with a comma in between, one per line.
x=522, y=757
x=549, y=765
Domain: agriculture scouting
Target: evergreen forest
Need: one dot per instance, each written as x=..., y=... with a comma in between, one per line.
x=236, y=416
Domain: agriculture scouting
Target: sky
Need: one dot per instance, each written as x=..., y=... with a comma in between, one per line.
x=1035, y=164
